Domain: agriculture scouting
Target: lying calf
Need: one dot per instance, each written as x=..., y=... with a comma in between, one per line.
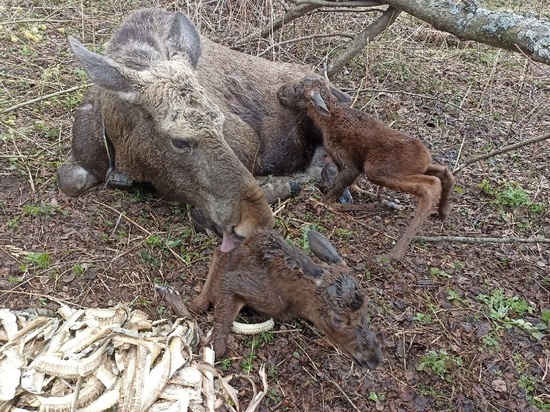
x=278, y=280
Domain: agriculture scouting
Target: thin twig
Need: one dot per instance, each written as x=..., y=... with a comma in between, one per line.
x=323, y=3
x=39, y=99
x=501, y=151
x=298, y=39
x=275, y=25
x=354, y=406
x=422, y=96
x=121, y=214
x=467, y=239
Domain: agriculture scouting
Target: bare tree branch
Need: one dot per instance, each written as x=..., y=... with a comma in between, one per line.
x=361, y=40
x=298, y=39
x=40, y=98
x=290, y=15
x=501, y=151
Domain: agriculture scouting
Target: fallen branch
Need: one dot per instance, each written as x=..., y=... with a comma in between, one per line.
x=501, y=151
x=467, y=239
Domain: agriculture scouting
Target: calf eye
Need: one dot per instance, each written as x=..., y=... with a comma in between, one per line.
x=181, y=145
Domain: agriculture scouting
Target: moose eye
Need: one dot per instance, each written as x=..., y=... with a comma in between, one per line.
x=180, y=144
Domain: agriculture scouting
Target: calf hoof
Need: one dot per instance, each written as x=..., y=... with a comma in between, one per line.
x=219, y=346
x=346, y=198
x=199, y=305
x=173, y=299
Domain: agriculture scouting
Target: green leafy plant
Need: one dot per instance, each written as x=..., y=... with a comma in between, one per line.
x=508, y=312
x=423, y=318
x=437, y=362
x=248, y=364
x=226, y=363
x=439, y=273
x=46, y=210
x=40, y=260
x=491, y=342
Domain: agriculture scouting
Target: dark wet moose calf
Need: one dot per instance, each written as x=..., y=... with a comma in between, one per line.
x=278, y=280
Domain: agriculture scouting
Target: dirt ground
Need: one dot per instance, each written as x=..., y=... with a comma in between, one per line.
x=463, y=322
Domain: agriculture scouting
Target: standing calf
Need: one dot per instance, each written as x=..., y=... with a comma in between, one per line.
x=277, y=280
x=358, y=142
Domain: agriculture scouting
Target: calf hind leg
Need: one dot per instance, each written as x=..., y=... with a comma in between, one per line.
x=427, y=189
x=447, y=184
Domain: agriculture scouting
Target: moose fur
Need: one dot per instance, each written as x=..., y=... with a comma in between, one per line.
x=358, y=142
x=190, y=118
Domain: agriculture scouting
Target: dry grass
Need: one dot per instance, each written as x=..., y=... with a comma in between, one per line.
x=462, y=99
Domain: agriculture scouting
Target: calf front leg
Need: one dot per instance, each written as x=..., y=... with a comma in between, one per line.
x=345, y=177
x=202, y=302
x=225, y=313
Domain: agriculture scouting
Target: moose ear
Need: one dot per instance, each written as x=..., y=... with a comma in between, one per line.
x=345, y=293
x=322, y=248
x=184, y=37
x=319, y=104
x=102, y=70
x=341, y=96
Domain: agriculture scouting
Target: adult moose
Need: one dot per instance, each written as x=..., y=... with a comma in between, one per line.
x=188, y=116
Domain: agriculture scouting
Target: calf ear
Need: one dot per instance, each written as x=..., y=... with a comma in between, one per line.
x=102, y=70
x=345, y=293
x=184, y=37
x=322, y=248
x=341, y=96
x=319, y=104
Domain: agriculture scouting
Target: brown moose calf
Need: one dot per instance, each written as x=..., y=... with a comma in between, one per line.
x=358, y=142
x=278, y=280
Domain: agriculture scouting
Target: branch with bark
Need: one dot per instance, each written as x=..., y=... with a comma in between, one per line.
x=465, y=19
x=469, y=21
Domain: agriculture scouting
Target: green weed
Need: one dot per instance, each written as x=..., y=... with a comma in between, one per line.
x=39, y=260
x=491, y=342
x=226, y=363
x=438, y=362
x=507, y=312
x=46, y=210
x=423, y=318
x=79, y=270
x=436, y=272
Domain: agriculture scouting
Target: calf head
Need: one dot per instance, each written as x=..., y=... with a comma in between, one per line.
x=311, y=91
x=341, y=311
x=167, y=132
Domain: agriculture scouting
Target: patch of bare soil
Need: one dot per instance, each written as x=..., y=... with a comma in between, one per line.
x=463, y=324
